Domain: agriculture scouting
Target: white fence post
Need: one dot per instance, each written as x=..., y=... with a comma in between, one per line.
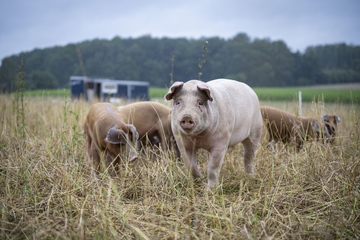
x=300, y=104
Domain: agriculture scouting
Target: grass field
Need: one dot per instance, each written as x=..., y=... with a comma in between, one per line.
x=289, y=94
x=264, y=94
x=48, y=93
x=47, y=190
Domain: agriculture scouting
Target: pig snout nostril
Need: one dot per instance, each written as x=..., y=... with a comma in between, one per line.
x=187, y=123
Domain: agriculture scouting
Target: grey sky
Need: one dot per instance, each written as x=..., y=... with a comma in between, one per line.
x=25, y=25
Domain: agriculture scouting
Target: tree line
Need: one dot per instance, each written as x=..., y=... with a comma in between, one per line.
x=258, y=62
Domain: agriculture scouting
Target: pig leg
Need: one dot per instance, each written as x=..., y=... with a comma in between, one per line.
x=190, y=158
x=112, y=164
x=87, y=137
x=299, y=143
x=88, y=143
x=94, y=158
x=162, y=141
x=214, y=166
x=250, y=144
x=249, y=153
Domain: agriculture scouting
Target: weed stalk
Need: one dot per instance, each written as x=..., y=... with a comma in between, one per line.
x=19, y=97
x=202, y=61
x=64, y=131
x=172, y=68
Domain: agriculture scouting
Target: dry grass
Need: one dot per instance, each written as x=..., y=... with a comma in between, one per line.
x=47, y=190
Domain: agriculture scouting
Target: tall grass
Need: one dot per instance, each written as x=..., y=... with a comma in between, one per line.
x=47, y=190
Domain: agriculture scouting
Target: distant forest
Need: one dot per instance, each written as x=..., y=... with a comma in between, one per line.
x=258, y=62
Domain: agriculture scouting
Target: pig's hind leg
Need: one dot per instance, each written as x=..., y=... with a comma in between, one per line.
x=250, y=145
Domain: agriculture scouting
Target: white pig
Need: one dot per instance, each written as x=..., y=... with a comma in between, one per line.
x=214, y=116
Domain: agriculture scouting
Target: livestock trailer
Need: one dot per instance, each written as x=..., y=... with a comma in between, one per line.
x=108, y=89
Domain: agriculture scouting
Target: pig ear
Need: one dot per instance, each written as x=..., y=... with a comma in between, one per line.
x=177, y=86
x=116, y=136
x=325, y=118
x=134, y=133
x=203, y=87
x=337, y=119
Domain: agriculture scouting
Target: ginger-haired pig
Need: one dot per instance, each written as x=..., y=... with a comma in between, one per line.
x=332, y=121
x=286, y=127
x=108, y=137
x=153, y=123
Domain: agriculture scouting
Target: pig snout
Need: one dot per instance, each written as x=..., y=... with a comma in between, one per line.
x=187, y=123
x=132, y=156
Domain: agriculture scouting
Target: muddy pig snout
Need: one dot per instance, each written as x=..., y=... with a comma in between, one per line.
x=187, y=123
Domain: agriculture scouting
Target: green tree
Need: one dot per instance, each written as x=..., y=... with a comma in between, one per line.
x=258, y=62
x=42, y=80
x=8, y=72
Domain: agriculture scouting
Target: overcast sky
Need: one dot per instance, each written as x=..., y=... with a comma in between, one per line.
x=29, y=24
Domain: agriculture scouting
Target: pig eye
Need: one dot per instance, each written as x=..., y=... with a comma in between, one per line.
x=201, y=103
x=177, y=102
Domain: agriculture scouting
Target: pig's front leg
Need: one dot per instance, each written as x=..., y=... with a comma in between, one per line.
x=94, y=157
x=214, y=166
x=190, y=158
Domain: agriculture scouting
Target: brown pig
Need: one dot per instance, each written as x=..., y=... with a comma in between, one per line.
x=153, y=123
x=332, y=121
x=285, y=127
x=108, y=137
x=214, y=116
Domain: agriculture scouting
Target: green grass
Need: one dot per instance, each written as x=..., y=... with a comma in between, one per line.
x=308, y=94
x=264, y=94
x=157, y=92
x=48, y=93
x=283, y=94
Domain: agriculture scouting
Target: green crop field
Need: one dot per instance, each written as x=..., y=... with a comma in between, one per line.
x=48, y=93
x=289, y=94
x=308, y=94
x=264, y=94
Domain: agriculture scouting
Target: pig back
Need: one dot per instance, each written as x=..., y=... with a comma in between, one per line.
x=101, y=117
x=238, y=106
x=148, y=117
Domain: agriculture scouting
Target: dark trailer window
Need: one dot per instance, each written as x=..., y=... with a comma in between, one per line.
x=122, y=91
x=139, y=92
x=77, y=88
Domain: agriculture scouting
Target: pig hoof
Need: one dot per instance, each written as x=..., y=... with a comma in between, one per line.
x=200, y=182
x=249, y=170
x=213, y=188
